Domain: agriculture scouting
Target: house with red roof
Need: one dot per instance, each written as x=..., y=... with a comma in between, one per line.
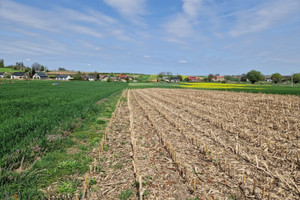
x=122, y=76
x=218, y=78
x=192, y=79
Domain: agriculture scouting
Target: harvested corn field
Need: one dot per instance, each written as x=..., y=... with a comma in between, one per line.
x=191, y=144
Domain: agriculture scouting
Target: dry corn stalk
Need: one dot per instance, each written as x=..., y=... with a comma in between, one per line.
x=85, y=185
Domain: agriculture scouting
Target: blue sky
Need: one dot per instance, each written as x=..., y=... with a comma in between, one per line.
x=192, y=37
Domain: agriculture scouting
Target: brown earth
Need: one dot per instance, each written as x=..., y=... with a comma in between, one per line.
x=184, y=144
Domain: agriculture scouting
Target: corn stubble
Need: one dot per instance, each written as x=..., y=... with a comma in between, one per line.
x=213, y=144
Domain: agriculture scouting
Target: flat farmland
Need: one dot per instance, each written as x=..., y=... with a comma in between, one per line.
x=37, y=124
x=192, y=144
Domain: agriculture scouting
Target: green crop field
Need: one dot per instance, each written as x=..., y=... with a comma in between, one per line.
x=152, y=77
x=8, y=70
x=36, y=119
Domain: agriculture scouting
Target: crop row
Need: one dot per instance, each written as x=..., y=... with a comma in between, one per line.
x=228, y=153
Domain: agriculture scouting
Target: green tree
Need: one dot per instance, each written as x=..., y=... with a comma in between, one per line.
x=160, y=75
x=36, y=66
x=62, y=69
x=296, y=78
x=32, y=72
x=109, y=79
x=170, y=75
x=276, y=78
x=228, y=78
x=209, y=77
x=243, y=78
x=42, y=68
x=140, y=78
x=20, y=66
x=254, y=76
x=180, y=77
x=27, y=69
x=1, y=63
x=78, y=76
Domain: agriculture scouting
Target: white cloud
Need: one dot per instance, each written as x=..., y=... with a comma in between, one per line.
x=264, y=17
x=27, y=59
x=147, y=57
x=183, y=25
x=31, y=48
x=84, y=30
x=192, y=7
x=120, y=35
x=182, y=61
x=59, y=20
x=131, y=9
x=179, y=27
x=89, y=65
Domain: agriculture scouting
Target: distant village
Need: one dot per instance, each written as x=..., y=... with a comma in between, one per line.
x=123, y=77
x=103, y=77
x=66, y=77
x=39, y=72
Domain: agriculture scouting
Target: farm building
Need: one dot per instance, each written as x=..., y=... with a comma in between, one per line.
x=19, y=75
x=104, y=78
x=2, y=74
x=114, y=78
x=122, y=76
x=192, y=79
x=63, y=77
x=218, y=78
x=175, y=79
x=40, y=75
x=90, y=78
x=166, y=78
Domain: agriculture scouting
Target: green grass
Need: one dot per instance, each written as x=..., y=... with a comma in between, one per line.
x=152, y=77
x=41, y=122
x=9, y=70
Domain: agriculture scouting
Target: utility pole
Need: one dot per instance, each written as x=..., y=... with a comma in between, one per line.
x=292, y=80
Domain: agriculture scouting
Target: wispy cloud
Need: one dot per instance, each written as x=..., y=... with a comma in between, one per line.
x=59, y=20
x=192, y=7
x=182, y=25
x=26, y=47
x=179, y=27
x=182, y=61
x=264, y=17
x=130, y=9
